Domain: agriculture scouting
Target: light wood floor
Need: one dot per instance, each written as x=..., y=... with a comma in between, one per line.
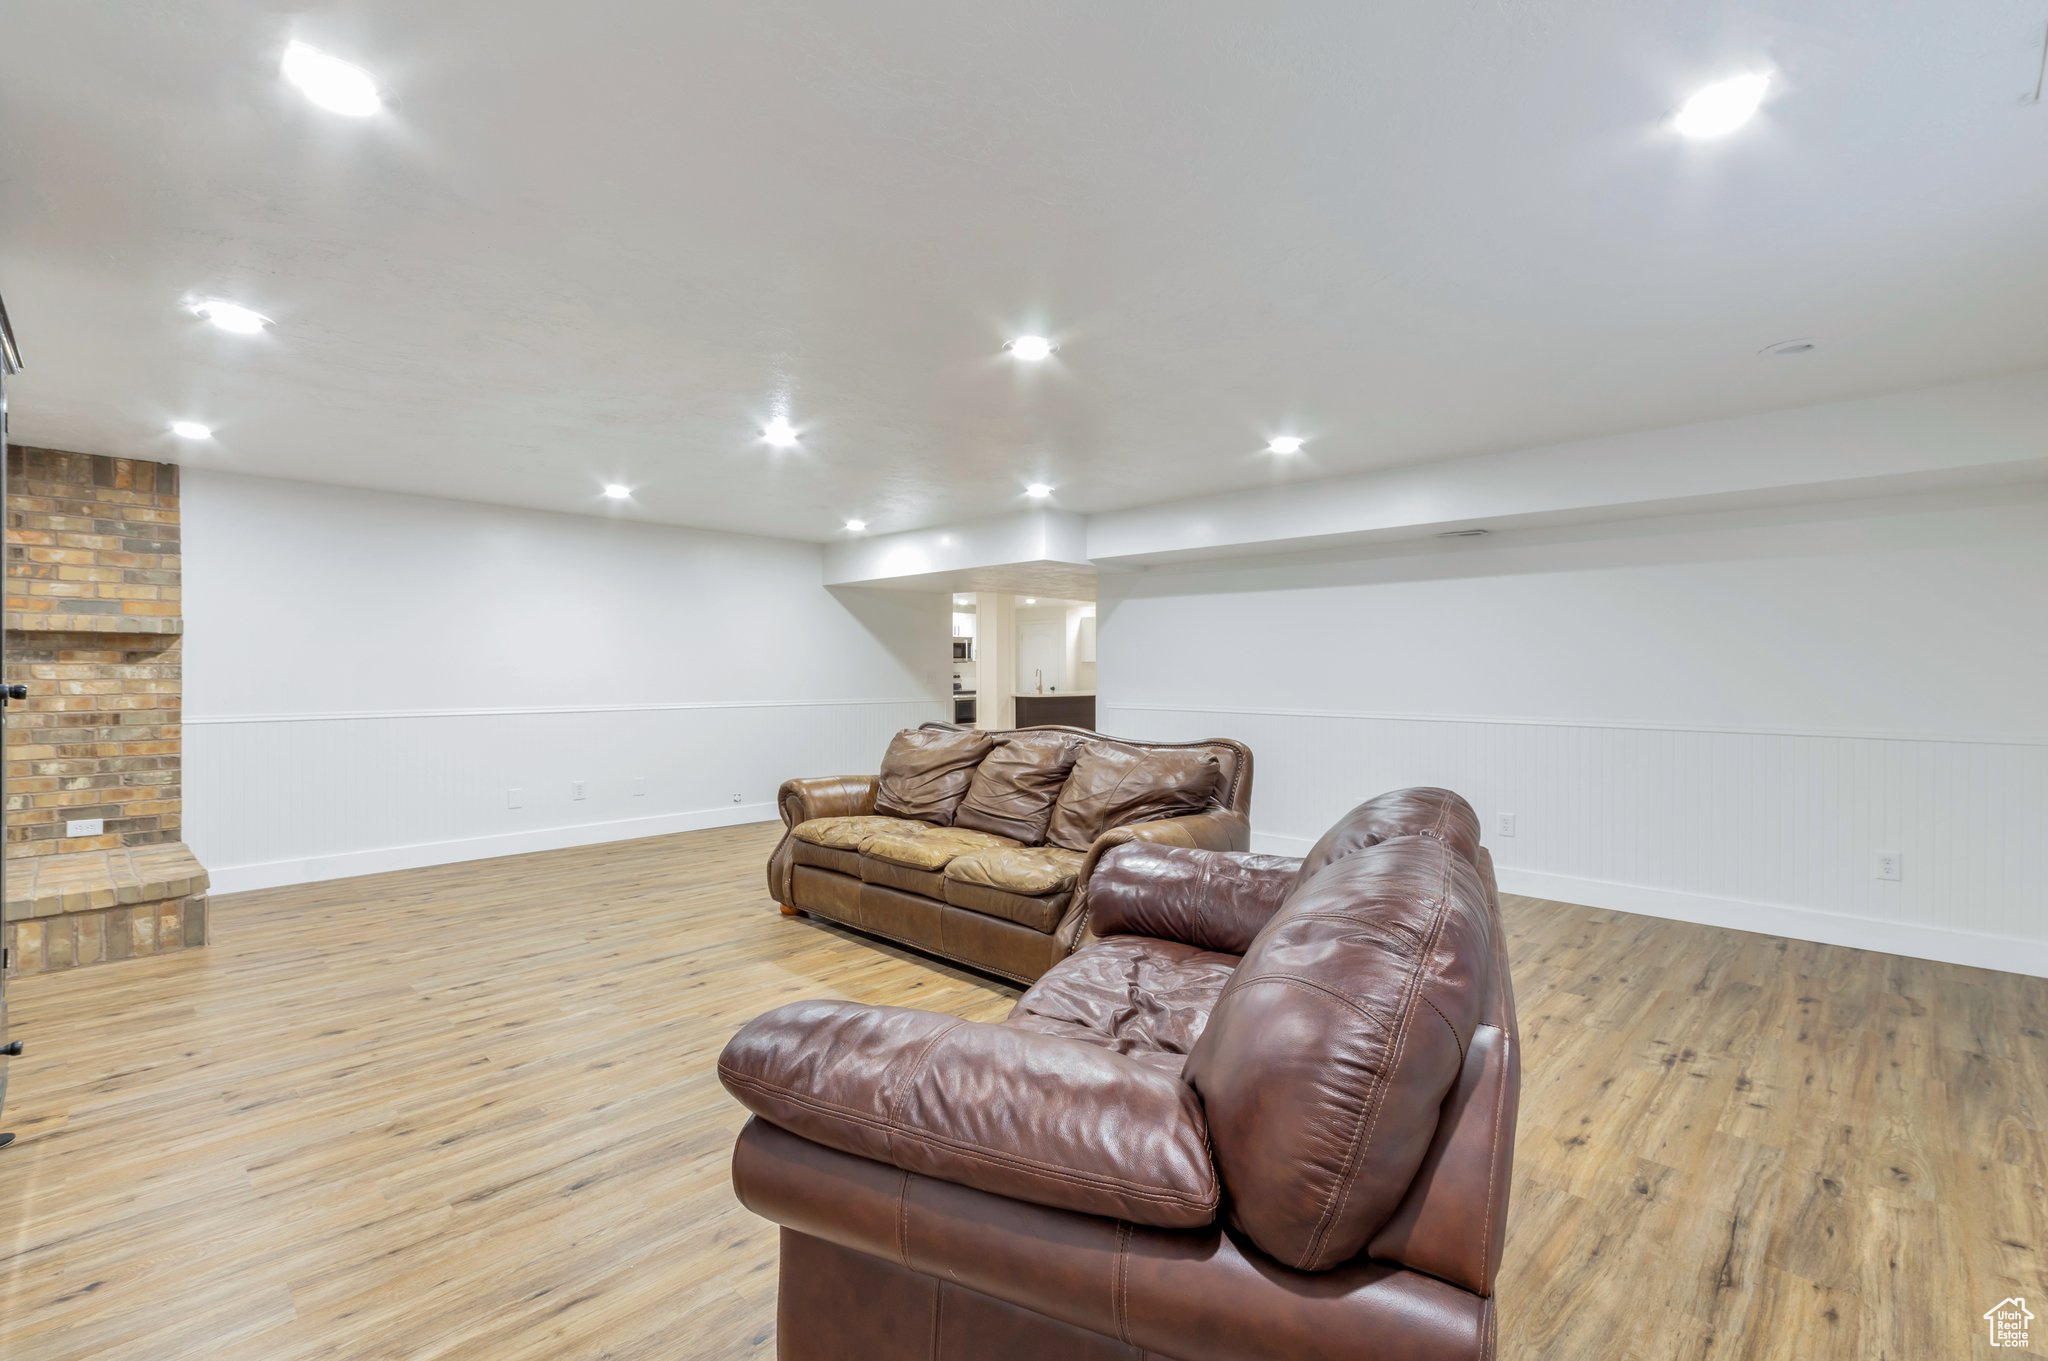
x=469, y=1113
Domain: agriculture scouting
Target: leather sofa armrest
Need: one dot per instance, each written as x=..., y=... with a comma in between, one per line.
x=1215, y=829
x=1011, y=1112
x=826, y=796
x=1212, y=900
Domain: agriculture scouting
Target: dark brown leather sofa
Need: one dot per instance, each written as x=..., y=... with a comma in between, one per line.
x=978, y=846
x=1269, y=1113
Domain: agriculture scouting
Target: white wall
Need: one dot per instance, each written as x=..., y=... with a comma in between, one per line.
x=367, y=674
x=1717, y=717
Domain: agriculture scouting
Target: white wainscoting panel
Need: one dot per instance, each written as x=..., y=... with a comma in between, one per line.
x=1760, y=830
x=279, y=799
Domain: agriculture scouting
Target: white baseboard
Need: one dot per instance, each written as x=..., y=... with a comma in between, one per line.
x=2005, y=953
x=2008, y=954
x=381, y=859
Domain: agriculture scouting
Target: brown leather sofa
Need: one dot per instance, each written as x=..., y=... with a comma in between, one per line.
x=977, y=846
x=1269, y=1113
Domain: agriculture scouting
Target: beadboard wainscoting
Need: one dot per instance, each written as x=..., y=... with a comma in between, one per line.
x=1758, y=830
x=288, y=798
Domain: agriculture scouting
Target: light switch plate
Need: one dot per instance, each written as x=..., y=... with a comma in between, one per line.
x=86, y=827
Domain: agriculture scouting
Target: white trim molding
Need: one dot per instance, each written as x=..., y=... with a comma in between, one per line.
x=359, y=715
x=384, y=859
x=282, y=799
x=1644, y=725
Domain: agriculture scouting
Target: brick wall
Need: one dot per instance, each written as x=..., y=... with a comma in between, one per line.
x=93, y=619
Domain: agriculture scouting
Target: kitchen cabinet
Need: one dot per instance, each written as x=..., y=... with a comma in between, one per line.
x=1072, y=711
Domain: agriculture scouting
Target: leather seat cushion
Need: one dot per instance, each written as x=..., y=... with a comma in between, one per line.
x=1041, y=913
x=1030, y=870
x=930, y=848
x=850, y=834
x=1149, y=999
x=826, y=857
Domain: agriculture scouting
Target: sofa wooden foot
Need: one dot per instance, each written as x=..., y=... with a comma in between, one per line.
x=789, y=911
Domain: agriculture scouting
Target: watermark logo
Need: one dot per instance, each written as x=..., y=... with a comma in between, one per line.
x=2008, y=1319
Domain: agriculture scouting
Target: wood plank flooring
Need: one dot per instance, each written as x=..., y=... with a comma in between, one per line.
x=469, y=1112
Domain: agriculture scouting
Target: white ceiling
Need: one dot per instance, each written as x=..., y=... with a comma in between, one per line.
x=605, y=241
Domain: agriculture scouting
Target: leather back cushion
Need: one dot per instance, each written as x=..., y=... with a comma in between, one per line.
x=1015, y=787
x=1327, y=1059
x=926, y=772
x=1427, y=812
x=1113, y=785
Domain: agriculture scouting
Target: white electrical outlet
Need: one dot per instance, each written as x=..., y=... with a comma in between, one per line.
x=579, y=789
x=86, y=827
x=1891, y=865
x=639, y=786
x=735, y=798
x=515, y=798
x=1504, y=823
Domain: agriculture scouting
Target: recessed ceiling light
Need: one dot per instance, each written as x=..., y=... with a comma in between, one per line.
x=330, y=82
x=779, y=433
x=618, y=491
x=1722, y=107
x=1284, y=444
x=1031, y=600
x=1030, y=349
x=231, y=316
x=856, y=526
x=1038, y=491
x=1785, y=347
x=191, y=430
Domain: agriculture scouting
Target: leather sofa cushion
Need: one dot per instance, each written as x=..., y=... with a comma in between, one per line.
x=1325, y=1063
x=849, y=834
x=1030, y=870
x=1016, y=1114
x=926, y=771
x=1216, y=900
x=924, y=883
x=1016, y=785
x=930, y=848
x=1041, y=913
x=1427, y=812
x=826, y=857
x=1112, y=785
x=1148, y=999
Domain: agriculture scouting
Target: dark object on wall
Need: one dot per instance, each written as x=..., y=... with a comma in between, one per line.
x=10, y=362
x=1269, y=1111
x=1070, y=711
